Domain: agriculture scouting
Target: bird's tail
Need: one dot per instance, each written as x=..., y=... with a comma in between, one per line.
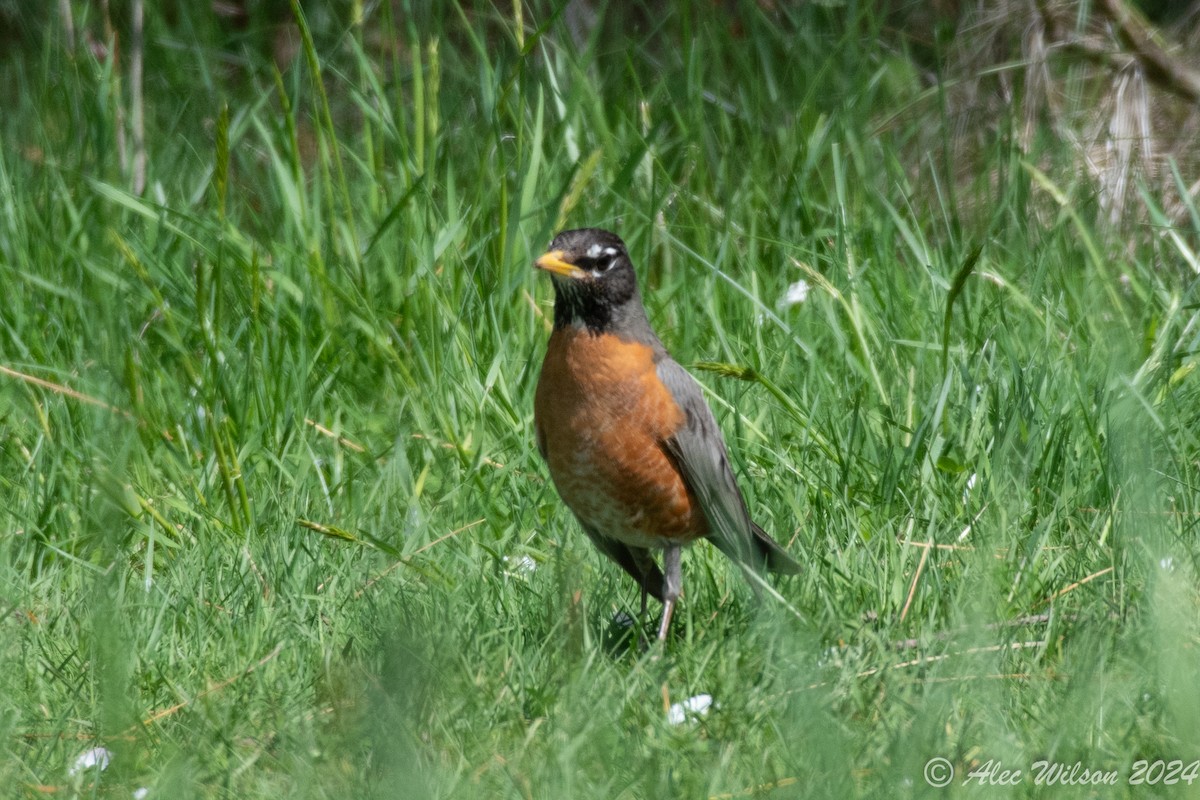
x=772, y=553
x=763, y=552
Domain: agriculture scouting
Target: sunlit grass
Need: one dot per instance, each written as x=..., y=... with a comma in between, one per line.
x=274, y=524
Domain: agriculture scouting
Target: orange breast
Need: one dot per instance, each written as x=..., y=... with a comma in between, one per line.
x=601, y=415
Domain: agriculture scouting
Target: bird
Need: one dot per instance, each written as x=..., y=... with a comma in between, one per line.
x=630, y=442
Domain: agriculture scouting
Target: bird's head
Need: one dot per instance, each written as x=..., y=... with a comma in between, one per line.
x=594, y=283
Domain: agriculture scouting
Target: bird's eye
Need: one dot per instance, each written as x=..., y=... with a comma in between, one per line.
x=604, y=263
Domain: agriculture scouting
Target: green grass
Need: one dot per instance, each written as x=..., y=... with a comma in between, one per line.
x=266, y=467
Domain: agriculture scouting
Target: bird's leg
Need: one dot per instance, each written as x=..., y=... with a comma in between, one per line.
x=672, y=586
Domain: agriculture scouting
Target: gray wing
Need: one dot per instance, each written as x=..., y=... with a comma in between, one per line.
x=698, y=449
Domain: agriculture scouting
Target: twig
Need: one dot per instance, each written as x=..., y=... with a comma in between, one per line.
x=536, y=309
x=1074, y=586
x=166, y=712
x=65, y=391
x=342, y=440
x=1019, y=622
x=934, y=546
x=416, y=552
x=916, y=662
x=912, y=589
x=457, y=448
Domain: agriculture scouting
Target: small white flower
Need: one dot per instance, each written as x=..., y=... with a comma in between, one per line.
x=141, y=793
x=520, y=566
x=622, y=620
x=96, y=757
x=971, y=481
x=697, y=706
x=796, y=293
x=832, y=656
x=1166, y=563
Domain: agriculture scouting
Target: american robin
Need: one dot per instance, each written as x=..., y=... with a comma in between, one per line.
x=631, y=444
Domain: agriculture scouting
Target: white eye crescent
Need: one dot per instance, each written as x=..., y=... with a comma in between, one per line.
x=595, y=251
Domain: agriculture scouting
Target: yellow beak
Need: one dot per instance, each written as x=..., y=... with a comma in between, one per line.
x=553, y=262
